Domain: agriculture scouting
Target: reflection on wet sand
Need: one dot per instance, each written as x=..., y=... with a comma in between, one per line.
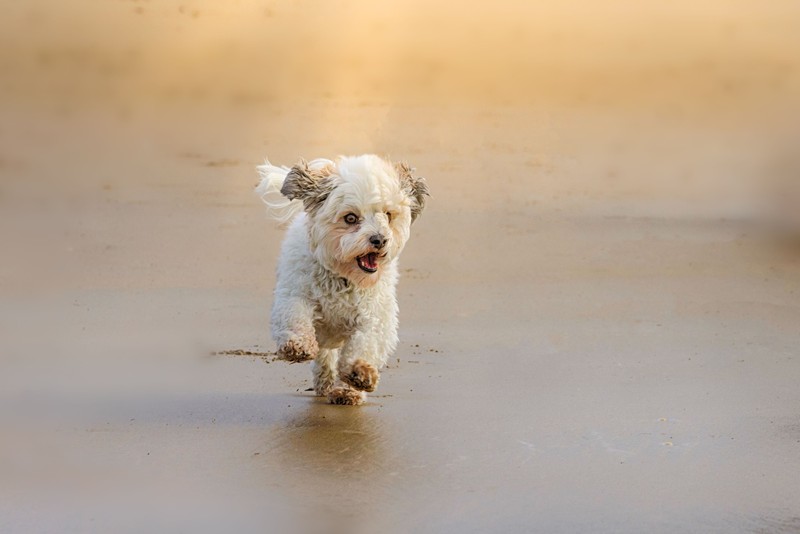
x=340, y=453
x=326, y=441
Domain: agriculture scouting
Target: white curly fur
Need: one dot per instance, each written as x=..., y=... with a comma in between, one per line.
x=327, y=306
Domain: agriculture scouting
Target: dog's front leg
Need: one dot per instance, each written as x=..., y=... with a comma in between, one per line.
x=365, y=353
x=357, y=370
x=293, y=329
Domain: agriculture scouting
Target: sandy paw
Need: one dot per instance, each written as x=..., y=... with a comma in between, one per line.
x=295, y=351
x=362, y=376
x=346, y=396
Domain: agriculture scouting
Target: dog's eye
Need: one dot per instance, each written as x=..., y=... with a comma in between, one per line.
x=351, y=218
x=389, y=216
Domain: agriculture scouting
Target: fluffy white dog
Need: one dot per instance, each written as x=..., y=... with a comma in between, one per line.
x=335, y=299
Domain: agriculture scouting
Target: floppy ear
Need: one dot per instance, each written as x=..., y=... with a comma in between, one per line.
x=312, y=186
x=414, y=186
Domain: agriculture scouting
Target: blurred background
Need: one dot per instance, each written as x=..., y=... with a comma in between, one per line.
x=612, y=166
x=618, y=107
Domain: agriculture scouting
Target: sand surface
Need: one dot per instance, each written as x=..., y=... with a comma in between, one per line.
x=600, y=319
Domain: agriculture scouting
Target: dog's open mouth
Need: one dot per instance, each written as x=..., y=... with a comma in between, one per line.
x=368, y=262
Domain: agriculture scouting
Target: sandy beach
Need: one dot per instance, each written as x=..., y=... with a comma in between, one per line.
x=600, y=307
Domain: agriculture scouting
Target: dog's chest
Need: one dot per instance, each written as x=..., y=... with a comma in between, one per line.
x=336, y=316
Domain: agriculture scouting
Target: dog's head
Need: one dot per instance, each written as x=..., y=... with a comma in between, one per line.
x=360, y=211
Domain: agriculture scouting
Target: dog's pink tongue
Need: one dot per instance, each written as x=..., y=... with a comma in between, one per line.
x=371, y=261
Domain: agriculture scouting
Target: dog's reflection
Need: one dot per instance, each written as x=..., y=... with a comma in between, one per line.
x=337, y=459
x=329, y=441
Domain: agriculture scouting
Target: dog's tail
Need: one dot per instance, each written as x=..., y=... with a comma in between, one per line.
x=269, y=191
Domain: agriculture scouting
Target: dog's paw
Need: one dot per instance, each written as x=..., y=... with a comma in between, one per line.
x=346, y=396
x=362, y=376
x=296, y=350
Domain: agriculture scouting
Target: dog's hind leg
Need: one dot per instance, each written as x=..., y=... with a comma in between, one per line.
x=325, y=371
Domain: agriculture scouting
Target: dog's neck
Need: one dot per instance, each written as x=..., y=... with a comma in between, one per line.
x=330, y=280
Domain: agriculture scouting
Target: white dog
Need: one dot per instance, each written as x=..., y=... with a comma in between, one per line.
x=335, y=297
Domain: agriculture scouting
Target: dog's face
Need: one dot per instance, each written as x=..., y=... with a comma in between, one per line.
x=360, y=211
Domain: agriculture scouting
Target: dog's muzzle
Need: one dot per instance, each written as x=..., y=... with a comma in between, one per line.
x=378, y=241
x=368, y=262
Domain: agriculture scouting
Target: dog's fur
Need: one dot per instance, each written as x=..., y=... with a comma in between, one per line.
x=348, y=217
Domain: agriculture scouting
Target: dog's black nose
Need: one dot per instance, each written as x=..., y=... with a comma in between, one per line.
x=378, y=241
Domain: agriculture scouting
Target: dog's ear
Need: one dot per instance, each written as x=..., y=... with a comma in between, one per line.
x=312, y=186
x=414, y=186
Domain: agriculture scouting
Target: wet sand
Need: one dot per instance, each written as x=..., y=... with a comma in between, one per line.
x=599, y=325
